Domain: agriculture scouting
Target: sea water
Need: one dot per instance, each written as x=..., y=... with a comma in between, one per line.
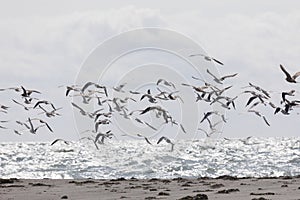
x=257, y=157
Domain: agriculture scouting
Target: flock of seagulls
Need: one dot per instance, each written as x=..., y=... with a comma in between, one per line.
x=108, y=105
x=34, y=107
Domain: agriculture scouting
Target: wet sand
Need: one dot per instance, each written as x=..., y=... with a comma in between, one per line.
x=224, y=187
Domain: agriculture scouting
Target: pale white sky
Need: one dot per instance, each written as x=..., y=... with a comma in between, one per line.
x=44, y=43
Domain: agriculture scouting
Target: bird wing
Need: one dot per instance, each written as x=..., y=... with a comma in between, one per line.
x=146, y=110
x=86, y=86
x=17, y=102
x=228, y=76
x=150, y=126
x=296, y=75
x=251, y=99
x=98, y=136
x=24, y=91
x=160, y=139
x=55, y=141
x=50, y=129
x=285, y=72
x=265, y=119
x=76, y=106
x=30, y=123
x=205, y=116
x=217, y=61
x=39, y=102
x=159, y=81
x=211, y=74
x=255, y=112
x=199, y=54
x=68, y=90
x=182, y=128
x=147, y=140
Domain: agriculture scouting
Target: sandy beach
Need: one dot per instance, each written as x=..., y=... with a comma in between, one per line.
x=224, y=187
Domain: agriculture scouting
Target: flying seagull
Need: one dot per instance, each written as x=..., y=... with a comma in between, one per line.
x=167, y=140
x=219, y=80
x=208, y=58
x=289, y=78
x=57, y=140
x=167, y=83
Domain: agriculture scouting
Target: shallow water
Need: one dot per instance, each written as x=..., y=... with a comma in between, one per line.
x=258, y=157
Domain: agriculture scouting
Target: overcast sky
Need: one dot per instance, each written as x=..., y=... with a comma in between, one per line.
x=44, y=43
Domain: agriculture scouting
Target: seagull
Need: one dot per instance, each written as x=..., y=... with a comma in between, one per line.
x=96, y=85
x=197, y=89
x=206, y=115
x=58, y=140
x=31, y=128
x=127, y=99
x=119, y=88
x=27, y=93
x=289, y=78
x=2, y=127
x=17, y=132
x=290, y=93
x=49, y=114
x=254, y=96
x=208, y=58
x=107, y=134
x=151, y=99
x=72, y=88
x=160, y=111
x=167, y=83
x=219, y=80
x=168, y=96
x=104, y=121
x=107, y=115
x=44, y=102
x=258, y=89
x=134, y=92
x=3, y=108
x=167, y=140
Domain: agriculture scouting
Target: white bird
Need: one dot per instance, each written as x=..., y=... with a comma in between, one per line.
x=219, y=80
x=289, y=78
x=208, y=58
x=119, y=88
x=167, y=140
x=27, y=93
x=60, y=140
x=167, y=83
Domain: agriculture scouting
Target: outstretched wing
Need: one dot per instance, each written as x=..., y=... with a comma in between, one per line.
x=160, y=139
x=285, y=72
x=229, y=76
x=217, y=61
x=296, y=75
x=211, y=74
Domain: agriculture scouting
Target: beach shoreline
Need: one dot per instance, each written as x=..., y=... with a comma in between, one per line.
x=223, y=187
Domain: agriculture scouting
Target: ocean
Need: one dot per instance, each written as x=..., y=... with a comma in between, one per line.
x=256, y=157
